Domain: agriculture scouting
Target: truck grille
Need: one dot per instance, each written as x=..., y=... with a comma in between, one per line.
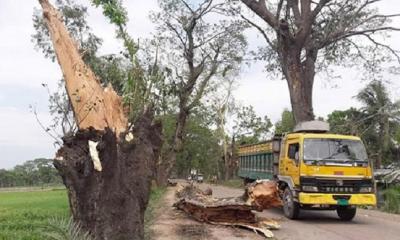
x=336, y=185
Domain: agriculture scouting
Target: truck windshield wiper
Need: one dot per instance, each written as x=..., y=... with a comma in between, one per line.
x=330, y=156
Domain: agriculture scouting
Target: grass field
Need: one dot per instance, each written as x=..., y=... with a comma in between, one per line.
x=23, y=215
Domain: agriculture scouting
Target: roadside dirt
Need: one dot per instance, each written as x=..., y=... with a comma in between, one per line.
x=312, y=225
x=172, y=224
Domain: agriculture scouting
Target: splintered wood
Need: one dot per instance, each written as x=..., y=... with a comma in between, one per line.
x=93, y=105
x=237, y=211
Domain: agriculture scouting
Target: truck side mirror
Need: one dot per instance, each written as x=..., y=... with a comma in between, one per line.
x=296, y=158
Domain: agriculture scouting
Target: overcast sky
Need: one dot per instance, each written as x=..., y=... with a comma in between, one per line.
x=23, y=70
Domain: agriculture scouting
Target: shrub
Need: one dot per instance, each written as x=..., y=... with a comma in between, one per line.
x=392, y=200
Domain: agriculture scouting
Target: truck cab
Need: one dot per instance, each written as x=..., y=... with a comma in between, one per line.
x=320, y=170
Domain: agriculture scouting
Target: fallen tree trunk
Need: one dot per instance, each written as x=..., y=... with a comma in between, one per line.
x=106, y=167
x=232, y=211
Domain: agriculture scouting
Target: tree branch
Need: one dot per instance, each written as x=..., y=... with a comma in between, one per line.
x=261, y=31
x=394, y=52
x=261, y=10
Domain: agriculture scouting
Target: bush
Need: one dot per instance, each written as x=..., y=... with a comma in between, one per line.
x=392, y=200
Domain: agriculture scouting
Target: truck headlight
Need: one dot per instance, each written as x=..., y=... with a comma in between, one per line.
x=365, y=189
x=310, y=188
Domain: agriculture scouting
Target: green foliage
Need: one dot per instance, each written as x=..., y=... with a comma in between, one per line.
x=286, y=124
x=24, y=214
x=118, y=16
x=113, y=10
x=151, y=211
x=38, y=172
x=38, y=215
x=250, y=128
x=74, y=16
x=345, y=122
x=200, y=150
x=64, y=229
x=392, y=200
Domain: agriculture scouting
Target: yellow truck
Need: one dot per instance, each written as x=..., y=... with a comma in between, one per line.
x=314, y=169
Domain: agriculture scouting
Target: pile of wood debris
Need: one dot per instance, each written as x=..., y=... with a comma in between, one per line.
x=237, y=211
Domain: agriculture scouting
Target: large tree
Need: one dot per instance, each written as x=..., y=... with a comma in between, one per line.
x=199, y=49
x=304, y=37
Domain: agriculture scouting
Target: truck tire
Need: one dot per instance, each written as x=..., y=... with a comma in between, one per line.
x=291, y=208
x=346, y=213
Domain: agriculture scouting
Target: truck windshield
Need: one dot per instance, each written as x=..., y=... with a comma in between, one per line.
x=337, y=150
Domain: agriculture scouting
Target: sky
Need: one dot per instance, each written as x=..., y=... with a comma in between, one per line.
x=23, y=70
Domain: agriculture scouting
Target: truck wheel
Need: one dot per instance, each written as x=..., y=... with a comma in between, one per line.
x=291, y=209
x=346, y=213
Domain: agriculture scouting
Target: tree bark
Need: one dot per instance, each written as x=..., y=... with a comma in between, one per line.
x=300, y=89
x=300, y=79
x=110, y=203
x=166, y=164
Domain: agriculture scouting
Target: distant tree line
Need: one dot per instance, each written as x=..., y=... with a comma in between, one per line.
x=36, y=172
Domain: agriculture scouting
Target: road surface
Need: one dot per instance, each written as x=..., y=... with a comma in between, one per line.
x=325, y=225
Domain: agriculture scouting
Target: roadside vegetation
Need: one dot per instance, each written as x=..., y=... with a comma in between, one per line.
x=151, y=212
x=25, y=214
x=38, y=215
x=392, y=200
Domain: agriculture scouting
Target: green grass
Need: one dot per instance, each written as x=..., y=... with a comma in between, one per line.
x=151, y=211
x=392, y=200
x=24, y=214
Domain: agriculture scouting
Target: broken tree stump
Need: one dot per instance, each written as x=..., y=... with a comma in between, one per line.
x=93, y=105
x=232, y=211
x=106, y=167
x=110, y=201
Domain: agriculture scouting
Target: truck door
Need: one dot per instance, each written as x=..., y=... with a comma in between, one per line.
x=292, y=160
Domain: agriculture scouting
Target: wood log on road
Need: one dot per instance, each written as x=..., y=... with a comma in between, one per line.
x=236, y=211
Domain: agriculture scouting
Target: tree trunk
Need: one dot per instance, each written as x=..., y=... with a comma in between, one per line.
x=383, y=140
x=226, y=160
x=166, y=164
x=300, y=79
x=109, y=200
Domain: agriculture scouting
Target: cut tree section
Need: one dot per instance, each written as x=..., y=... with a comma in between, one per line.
x=93, y=105
x=237, y=211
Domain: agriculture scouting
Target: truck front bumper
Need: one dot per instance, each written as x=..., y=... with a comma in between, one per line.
x=337, y=199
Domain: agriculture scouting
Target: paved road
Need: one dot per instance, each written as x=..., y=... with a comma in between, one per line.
x=325, y=225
